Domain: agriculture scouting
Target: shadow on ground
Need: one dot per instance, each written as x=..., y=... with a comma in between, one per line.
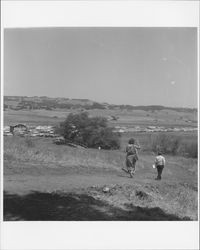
x=38, y=206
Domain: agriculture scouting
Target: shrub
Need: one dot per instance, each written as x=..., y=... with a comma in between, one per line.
x=172, y=144
x=92, y=132
x=166, y=143
x=189, y=149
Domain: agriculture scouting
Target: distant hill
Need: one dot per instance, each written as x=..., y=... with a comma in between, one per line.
x=49, y=103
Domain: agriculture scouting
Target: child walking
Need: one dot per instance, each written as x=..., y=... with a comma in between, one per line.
x=131, y=157
x=160, y=164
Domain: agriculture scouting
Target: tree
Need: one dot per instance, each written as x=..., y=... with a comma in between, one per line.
x=92, y=132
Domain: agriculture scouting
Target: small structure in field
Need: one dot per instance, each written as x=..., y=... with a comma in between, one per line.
x=19, y=129
x=7, y=131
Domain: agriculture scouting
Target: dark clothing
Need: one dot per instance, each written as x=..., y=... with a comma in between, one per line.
x=130, y=164
x=130, y=161
x=131, y=157
x=159, y=169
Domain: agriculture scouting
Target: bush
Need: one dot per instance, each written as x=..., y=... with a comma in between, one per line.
x=189, y=149
x=172, y=144
x=90, y=132
x=166, y=143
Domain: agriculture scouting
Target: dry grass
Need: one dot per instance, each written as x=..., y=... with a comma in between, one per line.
x=175, y=143
x=44, y=151
x=178, y=200
x=176, y=194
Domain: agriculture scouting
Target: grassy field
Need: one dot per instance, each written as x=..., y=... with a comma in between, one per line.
x=44, y=181
x=166, y=118
x=34, y=117
x=145, y=139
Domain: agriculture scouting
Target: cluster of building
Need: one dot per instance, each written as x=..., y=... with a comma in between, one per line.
x=33, y=131
x=49, y=131
x=153, y=129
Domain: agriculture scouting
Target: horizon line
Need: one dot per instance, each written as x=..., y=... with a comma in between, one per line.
x=103, y=102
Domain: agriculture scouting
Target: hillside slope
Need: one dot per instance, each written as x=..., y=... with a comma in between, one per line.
x=50, y=182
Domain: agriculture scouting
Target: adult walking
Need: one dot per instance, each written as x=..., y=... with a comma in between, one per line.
x=131, y=157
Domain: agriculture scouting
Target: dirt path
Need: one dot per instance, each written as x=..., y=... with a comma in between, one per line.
x=47, y=183
x=53, y=192
x=33, y=178
x=81, y=197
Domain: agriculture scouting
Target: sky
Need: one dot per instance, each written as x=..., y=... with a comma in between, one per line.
x=135, y=66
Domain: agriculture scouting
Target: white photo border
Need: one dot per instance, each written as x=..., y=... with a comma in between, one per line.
x=97, y=235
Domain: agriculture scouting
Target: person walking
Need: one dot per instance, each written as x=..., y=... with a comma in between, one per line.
x=131, y=157
x=160, y=164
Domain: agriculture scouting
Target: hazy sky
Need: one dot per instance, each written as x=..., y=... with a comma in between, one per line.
x=137, y=66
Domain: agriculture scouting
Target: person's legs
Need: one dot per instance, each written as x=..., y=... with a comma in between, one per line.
x=133, y=164
x=131, y=172
x=159, y=169
x=130, y=164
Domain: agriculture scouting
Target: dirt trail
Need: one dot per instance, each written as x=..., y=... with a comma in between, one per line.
x=47, y=183
x=50, y=192
x=23, y=180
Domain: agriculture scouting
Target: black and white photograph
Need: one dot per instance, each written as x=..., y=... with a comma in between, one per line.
x=100, y=124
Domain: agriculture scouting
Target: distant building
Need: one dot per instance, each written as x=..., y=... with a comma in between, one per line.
x=19, y=129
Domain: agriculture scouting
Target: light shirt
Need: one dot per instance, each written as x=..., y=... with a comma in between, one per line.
x=160, y=160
